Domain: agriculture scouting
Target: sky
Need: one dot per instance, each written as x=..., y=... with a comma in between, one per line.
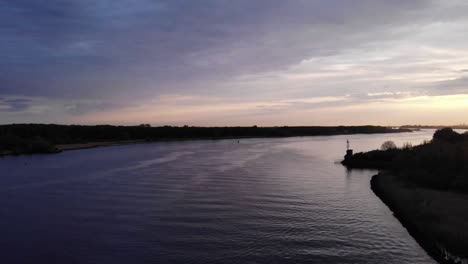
x=234, y=63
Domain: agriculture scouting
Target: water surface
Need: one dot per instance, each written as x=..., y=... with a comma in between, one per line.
x=258, y=201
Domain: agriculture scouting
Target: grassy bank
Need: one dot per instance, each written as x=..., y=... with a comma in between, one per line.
x=438, y=220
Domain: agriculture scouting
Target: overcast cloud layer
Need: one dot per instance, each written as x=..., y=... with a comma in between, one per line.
x=243, y=62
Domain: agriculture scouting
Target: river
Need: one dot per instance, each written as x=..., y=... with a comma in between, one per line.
x=280, y=200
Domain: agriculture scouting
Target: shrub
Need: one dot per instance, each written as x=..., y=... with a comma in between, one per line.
x=407, y=146
x=39, y=145
x=447, y=134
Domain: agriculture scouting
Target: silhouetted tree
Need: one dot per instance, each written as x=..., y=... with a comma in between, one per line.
x=387, y=145
x=447, y=134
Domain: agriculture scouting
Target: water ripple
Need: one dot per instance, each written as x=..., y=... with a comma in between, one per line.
x=261, y=201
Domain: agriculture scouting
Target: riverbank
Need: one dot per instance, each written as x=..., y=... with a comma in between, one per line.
x=18, y=139
x=67, y=147
x=426, y=186
x=438, y=220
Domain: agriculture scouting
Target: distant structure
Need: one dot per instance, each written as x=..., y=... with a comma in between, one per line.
x=349, y=152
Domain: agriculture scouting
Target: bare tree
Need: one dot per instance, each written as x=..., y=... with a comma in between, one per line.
x=388, y=145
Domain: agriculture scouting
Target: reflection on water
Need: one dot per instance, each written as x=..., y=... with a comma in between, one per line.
x=257, y=201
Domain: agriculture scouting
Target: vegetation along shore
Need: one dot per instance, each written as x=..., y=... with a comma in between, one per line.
x=49, y=138
x=426, y=187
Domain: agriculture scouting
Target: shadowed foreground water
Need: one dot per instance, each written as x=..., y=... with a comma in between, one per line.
x=257, y=201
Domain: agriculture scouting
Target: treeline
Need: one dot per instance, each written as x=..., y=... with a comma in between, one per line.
x=441, y=163
x=462, y=126
x=42, y=138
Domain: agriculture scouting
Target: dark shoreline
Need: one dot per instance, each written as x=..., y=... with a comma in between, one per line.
x=389, y=197
x=184, y=135
x=426, y=186
x=70, y=147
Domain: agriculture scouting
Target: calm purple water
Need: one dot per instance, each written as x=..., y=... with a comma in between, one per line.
x=257, y=201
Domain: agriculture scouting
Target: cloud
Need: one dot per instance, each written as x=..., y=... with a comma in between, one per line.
x=19, y=109
x=88, y=48
x=14, y=105
x=453, y=86
x=88, y=57
x=85, y=107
